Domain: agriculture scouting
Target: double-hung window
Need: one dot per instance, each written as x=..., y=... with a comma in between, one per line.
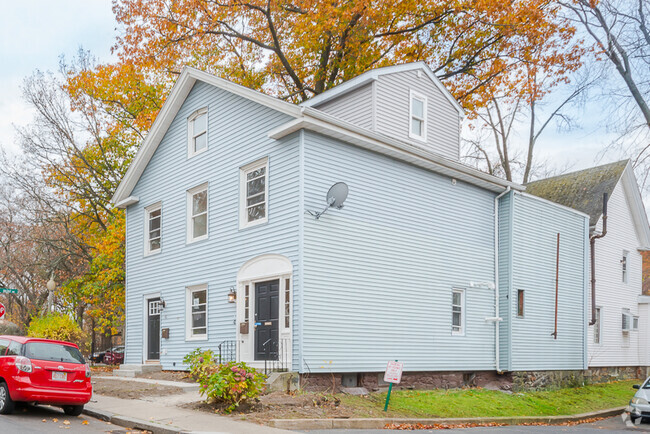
x=197, y=128
x=254, y=192
x=197, y=310
x=457, y=311
x=624, y=266
x=597, y=326
x=418, y=116
x=197, y=215
x=152, y=228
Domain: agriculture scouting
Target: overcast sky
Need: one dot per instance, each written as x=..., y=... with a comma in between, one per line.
x=35, y=33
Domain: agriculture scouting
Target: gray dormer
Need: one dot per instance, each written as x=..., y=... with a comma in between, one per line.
x=407, y=102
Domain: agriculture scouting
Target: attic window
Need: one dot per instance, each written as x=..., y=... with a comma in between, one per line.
x=418, y=117
x=197, y=128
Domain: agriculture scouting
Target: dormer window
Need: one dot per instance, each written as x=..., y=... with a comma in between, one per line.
x=197, y=127
x=418, y=117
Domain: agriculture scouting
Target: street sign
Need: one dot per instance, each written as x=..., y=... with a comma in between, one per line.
x=2, y=311
x=8, y=290
x=393, y=372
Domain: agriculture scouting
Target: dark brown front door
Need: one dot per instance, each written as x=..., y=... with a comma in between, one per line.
x=267, y=309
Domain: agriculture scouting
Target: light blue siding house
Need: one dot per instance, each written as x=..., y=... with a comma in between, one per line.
x=423, y=264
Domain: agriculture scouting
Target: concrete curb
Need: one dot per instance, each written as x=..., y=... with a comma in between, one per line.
x=133, y=423
x=368, y=423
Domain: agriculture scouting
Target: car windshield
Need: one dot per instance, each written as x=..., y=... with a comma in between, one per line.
x=53, y=352
x=646, y=385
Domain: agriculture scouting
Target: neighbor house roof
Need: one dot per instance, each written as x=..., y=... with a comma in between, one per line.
x=583, y=190
x=303, y=117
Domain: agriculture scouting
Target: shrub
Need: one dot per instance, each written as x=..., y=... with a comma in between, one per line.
x=9, y=328
x=56, y=326
x=232, y=383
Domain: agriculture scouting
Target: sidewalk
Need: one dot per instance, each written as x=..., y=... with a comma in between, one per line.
x=162, y=416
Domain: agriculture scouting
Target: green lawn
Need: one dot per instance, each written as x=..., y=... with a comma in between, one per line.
x=489, y=403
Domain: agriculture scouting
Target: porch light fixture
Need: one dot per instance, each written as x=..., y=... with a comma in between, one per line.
x=232, y=295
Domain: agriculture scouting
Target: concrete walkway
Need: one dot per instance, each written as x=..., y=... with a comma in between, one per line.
x=161, y=414
x=181, y=384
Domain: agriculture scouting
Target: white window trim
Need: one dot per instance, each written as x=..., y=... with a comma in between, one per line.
x=190, y=227
x=416, y=95
x=600, y=328
x=147, y=211
x=625, y=271
x=243, y=171
x=190, y=132
x=460, y=332
x=188, y=312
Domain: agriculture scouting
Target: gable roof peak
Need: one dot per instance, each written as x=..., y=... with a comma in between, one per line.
x=374, y=74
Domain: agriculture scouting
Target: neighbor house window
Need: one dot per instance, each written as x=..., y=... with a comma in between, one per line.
x=418, y=117
x=153, y=227
x=457, y=311
x=254, y=187
x=624, y=267
x=197, y=127
x=197, y=204
x=597, y=326
x=520, y=303
x=197, y=302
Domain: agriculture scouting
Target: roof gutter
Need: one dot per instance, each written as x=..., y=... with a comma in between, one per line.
x=324, y=123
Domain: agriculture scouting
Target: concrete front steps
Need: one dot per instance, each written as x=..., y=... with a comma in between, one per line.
x=135, y=370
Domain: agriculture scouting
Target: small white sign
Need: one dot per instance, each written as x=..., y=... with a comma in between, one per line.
x=393, y=372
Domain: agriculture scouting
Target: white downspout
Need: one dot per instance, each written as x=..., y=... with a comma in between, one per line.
x=498, y=319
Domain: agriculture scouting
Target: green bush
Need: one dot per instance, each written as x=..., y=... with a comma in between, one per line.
x=56, y=326
x=231, y=383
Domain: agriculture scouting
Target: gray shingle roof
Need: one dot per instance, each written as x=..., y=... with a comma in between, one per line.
x=582, y=190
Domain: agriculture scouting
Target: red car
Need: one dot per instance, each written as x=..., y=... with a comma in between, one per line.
x=114, y=356
x=43, y=371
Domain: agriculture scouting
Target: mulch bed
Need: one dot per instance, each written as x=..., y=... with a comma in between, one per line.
x=131, y=389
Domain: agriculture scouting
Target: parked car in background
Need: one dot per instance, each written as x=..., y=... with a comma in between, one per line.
x=43, y=371
x=98, y=356
x=114, y=356
x=640, y=402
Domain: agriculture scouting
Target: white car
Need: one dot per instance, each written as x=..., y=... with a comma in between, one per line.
x=640, y=402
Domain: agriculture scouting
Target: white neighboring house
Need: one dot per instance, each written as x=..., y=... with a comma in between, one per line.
x=621, y=334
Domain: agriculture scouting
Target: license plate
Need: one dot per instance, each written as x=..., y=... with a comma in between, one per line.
x=59, y=376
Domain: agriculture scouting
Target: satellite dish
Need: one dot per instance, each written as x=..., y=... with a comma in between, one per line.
x=337, y=195
x=334, y=198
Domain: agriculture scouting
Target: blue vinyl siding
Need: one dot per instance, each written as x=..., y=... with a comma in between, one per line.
x=237, y=135
x=536, y=224
x=378, y=274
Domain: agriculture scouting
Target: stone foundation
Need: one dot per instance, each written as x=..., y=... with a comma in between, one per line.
x=509, y=381
x=373, y=381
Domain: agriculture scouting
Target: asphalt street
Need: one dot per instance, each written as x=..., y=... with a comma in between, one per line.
x=612, y=425
x=42, y=419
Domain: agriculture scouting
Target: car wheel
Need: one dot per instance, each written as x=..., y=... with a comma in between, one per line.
x=6, y=403
x=73, y=410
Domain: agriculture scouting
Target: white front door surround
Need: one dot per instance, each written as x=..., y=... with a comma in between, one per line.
x=262, y=269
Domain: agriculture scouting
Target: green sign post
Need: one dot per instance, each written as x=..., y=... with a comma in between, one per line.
x=393, y=375
x=8, y=291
